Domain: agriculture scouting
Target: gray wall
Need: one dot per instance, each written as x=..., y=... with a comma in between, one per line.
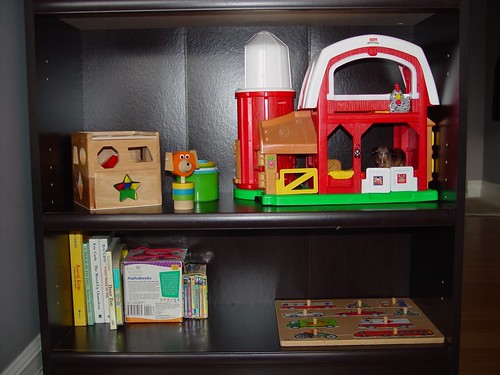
x=491, y=156
x=19, y=312
x=483, y=133
x=476, y=82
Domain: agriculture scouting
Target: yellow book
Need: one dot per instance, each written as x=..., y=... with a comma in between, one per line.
x=77, y=279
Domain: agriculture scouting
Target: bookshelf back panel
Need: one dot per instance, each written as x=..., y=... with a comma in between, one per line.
x=257, y=267
x=182, y=81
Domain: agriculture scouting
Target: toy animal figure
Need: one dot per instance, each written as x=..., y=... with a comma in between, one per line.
x=386, y=157
x=181, y=163
x=399, y=102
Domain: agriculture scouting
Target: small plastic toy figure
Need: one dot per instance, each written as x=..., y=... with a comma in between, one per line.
x=182, y=164
x=399, y=103
x=386, y=157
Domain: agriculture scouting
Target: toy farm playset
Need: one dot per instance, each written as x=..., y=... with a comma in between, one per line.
x=282, y=155
x=353, y=322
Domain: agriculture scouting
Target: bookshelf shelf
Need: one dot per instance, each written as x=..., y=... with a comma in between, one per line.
x=218, y=342
x=229, y=214
x=106, y=7
x=155, y=66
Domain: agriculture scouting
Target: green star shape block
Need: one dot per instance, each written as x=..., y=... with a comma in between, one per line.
x=127, y=188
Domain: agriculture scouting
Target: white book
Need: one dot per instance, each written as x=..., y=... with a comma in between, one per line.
x=110, y=283
x=104, y=242
x=96, y=271
x=87, y=272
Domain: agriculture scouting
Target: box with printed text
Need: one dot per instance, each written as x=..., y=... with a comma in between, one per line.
x=152, y=285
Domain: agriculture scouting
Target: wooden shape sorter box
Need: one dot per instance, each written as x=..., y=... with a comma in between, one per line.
x=370, y=321
x=119, y=169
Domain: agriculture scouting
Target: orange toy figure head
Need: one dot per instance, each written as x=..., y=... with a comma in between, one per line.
x=181, y=163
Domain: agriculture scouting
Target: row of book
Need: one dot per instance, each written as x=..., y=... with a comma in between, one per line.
x=96, y=279
x=196, y=291
x=110, y=282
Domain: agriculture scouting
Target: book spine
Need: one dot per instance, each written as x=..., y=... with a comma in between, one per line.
x=118, y=295
x=118, y=254
x=200, y=296
x=205, y=297
x=110, y=289
x=87, y=272
x=197, y=294
x=96, y=265
x=193, y=297
x=188, y=297
x=184, y=296
x=103, y=244
x=77, y=279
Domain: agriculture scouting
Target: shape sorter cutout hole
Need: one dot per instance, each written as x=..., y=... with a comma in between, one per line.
x=75, y=155
x=107, y=157
x=79, y=186
x=79, y=156
x=83, y=156
x=140, y=154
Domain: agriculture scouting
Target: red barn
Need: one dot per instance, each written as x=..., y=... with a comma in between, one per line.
x=356, y=114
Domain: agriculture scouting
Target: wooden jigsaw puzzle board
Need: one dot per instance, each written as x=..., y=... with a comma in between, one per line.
x=369, y=321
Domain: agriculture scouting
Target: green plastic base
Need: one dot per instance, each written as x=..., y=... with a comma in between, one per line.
x=336, y=199
x=448, y=196
x=248, y=195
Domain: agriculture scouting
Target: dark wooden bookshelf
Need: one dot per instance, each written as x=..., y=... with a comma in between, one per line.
x=79, y=50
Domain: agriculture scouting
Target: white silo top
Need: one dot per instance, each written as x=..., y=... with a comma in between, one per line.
x=267, y=63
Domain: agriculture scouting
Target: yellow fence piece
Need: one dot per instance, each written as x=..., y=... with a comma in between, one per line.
x=296, y=187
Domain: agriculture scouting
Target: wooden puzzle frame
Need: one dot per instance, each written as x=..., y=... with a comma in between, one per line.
x=370, y=321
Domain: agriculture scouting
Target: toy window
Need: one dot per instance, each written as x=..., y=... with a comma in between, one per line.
x=367, y=76
x=340, y=148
